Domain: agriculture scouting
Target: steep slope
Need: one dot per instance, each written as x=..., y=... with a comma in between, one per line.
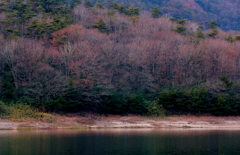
x=226, y=12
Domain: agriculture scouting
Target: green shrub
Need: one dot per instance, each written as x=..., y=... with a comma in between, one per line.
x=213, y=33
x=24, y=112
x=101, y=26
x=224, y=105
x=98, y=5
x=185, y=101
x=114, y=104
x=2, y=108
x=44, y=117
x=179, y=21
x=70, y=101
x=137, y=104
x=19, y=112
x=237, y=37
x=110, y=12
x=230, y=39
x=180, y=29
x=155, y=109
x=88, y=4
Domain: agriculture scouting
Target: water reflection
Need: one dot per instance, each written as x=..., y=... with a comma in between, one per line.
x=120, y=142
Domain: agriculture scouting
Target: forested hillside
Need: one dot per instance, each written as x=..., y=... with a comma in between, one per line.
x=225, y=12
x=73, y=56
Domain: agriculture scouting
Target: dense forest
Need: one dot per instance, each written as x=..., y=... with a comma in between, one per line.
x=75, y=56
x=225, y=12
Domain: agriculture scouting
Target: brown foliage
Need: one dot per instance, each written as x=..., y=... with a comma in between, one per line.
x=144, y=55
x=25, y=59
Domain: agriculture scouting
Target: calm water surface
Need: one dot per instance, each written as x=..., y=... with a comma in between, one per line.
x=120, y=142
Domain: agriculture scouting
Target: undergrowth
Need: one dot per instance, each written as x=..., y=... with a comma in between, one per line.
x=23, y=112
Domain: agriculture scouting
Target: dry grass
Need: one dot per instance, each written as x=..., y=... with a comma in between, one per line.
x=210, y=119
x=22, y=112
x=44, y=117
x=85, y=121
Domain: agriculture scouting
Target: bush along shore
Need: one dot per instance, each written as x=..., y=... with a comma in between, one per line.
x=221, y=99
x=20, y=112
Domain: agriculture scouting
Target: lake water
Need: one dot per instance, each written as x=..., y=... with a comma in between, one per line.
x=120, y=142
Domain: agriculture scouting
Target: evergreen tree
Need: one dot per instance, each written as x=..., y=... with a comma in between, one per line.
x=134, y=19
x=226, y=81
x=180, y=29
x=101, y=26
x=40, y=9
x=19, y=17
x=230, y=38
x=8, y=91
x=213, y=24
x=16, y=19
x=38, y=30
x=132, y=11
x=71, y=101
x=50, y=5
x=199, y=34
x=113, y=5
x=121, y=8
x=155, y=12
x=57, y=23
x=74, y=3
x=213, y=33
x=237, y=38
x=179, y=21
x=99, y=6
x=88, y=4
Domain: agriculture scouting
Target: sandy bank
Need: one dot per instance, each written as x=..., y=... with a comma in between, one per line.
x=99, y=121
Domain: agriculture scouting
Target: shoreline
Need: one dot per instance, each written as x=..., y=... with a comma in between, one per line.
x=95, y=121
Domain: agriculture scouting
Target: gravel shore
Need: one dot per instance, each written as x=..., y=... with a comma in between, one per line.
x=74, y=121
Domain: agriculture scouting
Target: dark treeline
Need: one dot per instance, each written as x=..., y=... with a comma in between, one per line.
x=73, y=56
